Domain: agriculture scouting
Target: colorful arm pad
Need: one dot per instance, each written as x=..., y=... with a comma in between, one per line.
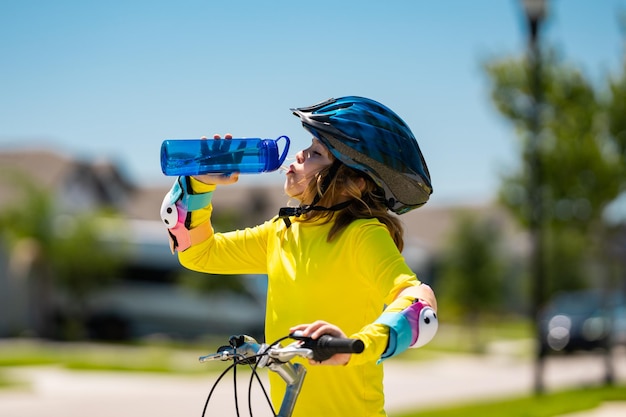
x=412, y=327
x=176, y=210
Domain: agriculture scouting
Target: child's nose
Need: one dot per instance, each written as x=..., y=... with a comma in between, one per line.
x=300, y=157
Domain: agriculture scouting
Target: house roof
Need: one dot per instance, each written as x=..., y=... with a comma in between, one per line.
x=46, y=169
x=56, y=173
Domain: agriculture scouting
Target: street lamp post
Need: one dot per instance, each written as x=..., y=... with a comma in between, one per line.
x=535, y=13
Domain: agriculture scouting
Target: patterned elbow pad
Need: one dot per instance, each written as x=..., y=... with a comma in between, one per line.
x=412, y=327
x=176, y=215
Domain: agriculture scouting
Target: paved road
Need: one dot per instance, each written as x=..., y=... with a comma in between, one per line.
x=58, y=392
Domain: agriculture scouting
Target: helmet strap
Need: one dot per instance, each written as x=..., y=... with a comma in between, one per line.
x=285, y=212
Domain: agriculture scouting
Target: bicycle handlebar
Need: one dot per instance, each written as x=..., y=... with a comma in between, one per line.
x=245, y=350
x=326, y=346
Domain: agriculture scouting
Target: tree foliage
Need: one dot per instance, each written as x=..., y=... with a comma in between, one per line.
x=581, y=149
x=473, y=268
x=68, y=257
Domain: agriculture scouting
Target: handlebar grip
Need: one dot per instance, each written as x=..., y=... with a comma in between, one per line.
x=326, y=346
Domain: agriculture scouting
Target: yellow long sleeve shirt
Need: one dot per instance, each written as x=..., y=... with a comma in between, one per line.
x=346, y=282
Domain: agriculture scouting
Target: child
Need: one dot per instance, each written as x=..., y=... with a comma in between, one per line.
x=333, y=262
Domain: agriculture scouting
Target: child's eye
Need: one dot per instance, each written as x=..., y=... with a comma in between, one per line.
x=313, y=152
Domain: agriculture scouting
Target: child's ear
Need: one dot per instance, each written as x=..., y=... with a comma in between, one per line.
x=360, y=182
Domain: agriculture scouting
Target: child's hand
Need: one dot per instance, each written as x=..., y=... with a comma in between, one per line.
x=320, y=328
x=218, y=179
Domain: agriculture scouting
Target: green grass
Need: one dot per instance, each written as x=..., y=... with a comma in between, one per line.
x=6, y=382
x=547, y=405
x=458, y=338
x=172, y=357
x=162, y=358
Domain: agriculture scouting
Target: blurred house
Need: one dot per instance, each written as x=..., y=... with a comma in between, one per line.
x=147, y=289
x=84, y=186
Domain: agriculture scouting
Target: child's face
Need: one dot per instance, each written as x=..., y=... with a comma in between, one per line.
x=308, y=162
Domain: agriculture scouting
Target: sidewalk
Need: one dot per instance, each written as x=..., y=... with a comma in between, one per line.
x=59, y=392
x=613, y=409
x=471, y=379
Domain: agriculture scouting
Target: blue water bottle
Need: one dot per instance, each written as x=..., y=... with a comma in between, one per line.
x=215, y=156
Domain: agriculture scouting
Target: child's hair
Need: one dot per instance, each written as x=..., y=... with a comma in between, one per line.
x=367, y=203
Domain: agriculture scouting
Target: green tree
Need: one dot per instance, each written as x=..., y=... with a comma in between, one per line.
x=582, y=172
x=616, y=104
x=472, y=272
x=616, y=110
x=65, y=256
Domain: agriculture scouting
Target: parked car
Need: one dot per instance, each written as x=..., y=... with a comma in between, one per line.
x=583, y=320
x=137, y=309
x=140, y=309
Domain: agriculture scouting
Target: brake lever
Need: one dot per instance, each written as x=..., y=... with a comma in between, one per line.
x=224, y=353
x=287, y=353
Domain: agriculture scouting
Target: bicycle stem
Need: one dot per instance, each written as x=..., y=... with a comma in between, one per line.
x=293, y=374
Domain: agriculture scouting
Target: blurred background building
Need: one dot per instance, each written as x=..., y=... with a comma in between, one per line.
x=146, y=296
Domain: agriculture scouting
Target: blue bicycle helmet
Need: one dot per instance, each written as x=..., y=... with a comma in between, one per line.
x=369, y=137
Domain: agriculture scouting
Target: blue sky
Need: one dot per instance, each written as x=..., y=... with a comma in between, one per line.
x=114, y=79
